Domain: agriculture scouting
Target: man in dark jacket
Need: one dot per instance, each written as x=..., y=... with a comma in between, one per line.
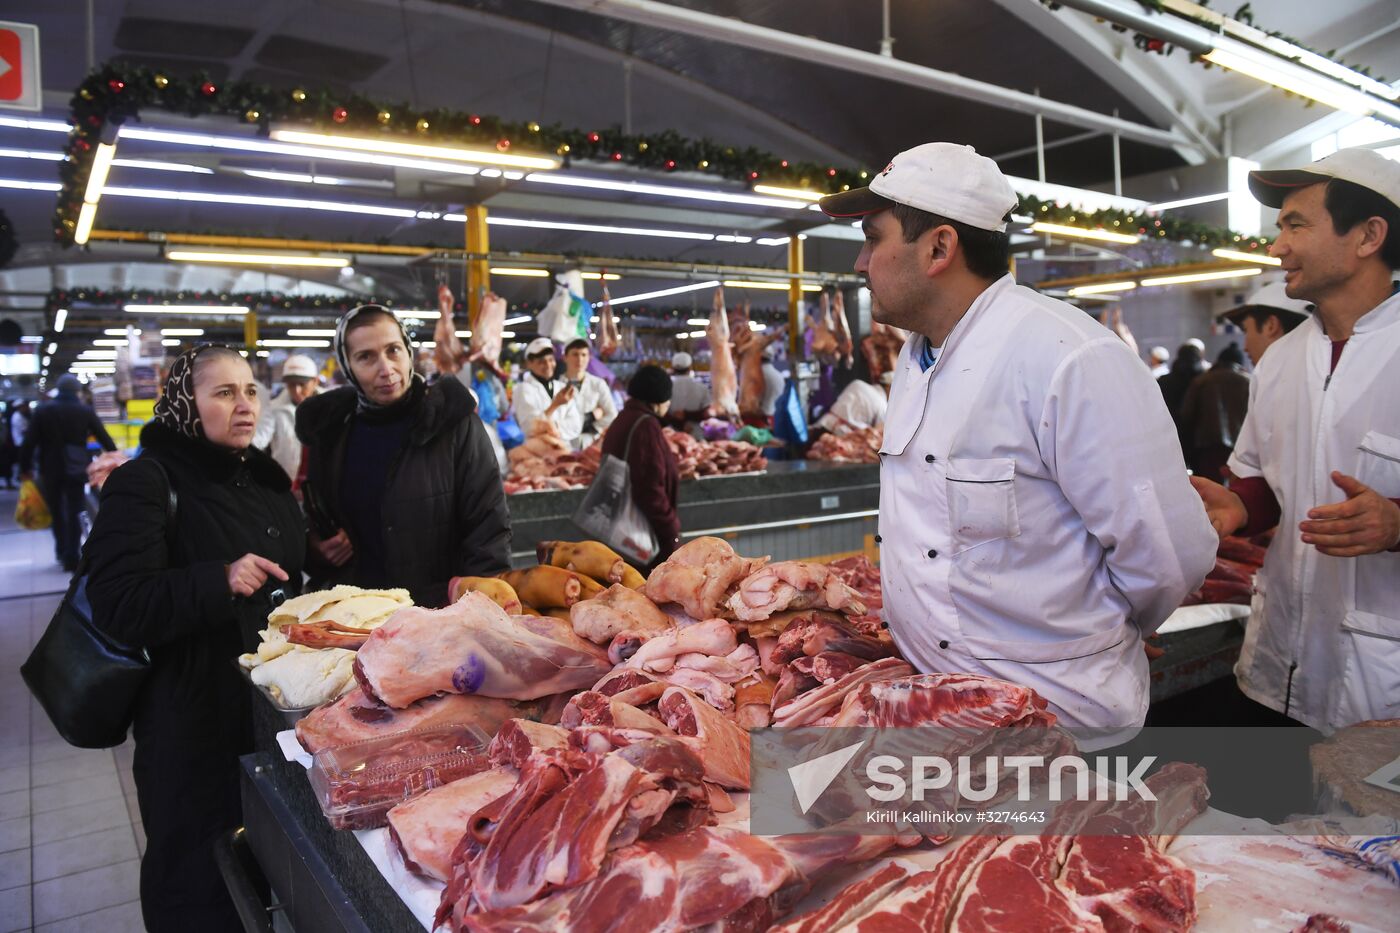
x=1212, y=412
x=59, y=432
x=652, y=467
x=402, y=485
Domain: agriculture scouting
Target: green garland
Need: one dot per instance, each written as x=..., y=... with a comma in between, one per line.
x=116, y=93
x=1147, y=226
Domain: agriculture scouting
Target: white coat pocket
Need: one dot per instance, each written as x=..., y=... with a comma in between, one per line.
x=1379, y=465
x=981, y=501
x=1370, y=682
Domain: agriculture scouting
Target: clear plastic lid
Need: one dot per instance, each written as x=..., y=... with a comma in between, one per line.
x=358, y=784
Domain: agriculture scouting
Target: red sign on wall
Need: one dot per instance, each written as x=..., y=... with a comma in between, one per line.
x=20, y=88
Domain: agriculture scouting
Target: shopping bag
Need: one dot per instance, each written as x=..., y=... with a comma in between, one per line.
x=789, y=422
x=566, y=315
x=32, y=511
x=609, y=514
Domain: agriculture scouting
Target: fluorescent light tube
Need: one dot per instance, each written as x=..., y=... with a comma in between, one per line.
x=1199, y=277
x=392, y=146
x=1262, y=258
x=1084, y=233
x=256, y=259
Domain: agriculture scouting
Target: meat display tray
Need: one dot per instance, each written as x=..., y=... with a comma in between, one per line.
x=291, y=716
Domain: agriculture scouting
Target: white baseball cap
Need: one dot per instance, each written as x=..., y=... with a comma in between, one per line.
x=1364, y=167
x=946, y=179
x=299, y=367
x=1160, y=353
x=539, y=345
x=1196, y=342
x=1275, y=300
x=681, y=360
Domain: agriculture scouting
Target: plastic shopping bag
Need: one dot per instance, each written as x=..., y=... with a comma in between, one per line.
x=789, y=422
x=32, y=511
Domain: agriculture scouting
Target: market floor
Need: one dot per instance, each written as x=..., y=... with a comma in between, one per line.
x=70, y=833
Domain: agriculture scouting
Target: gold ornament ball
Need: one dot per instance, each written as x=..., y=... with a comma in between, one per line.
x=643, y=146
x=252, y=116
x=864, y=174
x=299, y=96
x=69, y=224
x=423, y=126
x=534, y=127
x=384, y=117
x=85, y=94
x=704, y=163
x=845, y=187
x=161, y=81
x=562, y=149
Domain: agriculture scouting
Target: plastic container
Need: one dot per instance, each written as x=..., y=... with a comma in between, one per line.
x=357, y=784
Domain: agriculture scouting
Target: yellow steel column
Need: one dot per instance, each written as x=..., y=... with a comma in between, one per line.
x=250, y=329
x=794, y=300
x=479, y=268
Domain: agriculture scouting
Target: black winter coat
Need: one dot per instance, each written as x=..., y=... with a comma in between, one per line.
x=56, y=427
x=444, y=509
x=167, y=589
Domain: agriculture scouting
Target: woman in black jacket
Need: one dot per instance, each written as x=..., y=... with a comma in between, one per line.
x=402, y=485
x=194, y=590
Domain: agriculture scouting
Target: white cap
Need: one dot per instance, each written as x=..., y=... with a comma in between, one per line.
x=1160, y=353
x=946, y=179
x=1365, y=167
x=1196, y=342
x=539, y=345
x=300, y=367
x=887, y=377
x=1274, y=298
x=681, y=360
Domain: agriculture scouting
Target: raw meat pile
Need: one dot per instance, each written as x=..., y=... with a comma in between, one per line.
x=544, y=461
x=611, y=796
x=881, y=349
x=713, y=458
x=1231, y=580
x=861, y=446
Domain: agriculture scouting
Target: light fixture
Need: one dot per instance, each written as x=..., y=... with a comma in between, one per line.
x=694, y=334
x=21, y=123
x=1262, y=258
x=308, y=344
x=601, y=276
x=170, y=341
x=97, y=175
x=109, y=342
x=754, y=325
x=1099, y=288
x=1187, y=202
x=592, y=228
x=263, y=354
x=801, y=194
x=98, y=355
x=526, y=273
x=312, y=332
x=297, y=177
x=121, y=331
x=695, y=286
x=45, y=155
x=29, y=185
x=87, y=215
x=776, y=240
x=51, y=349
x=699, y=322
x=1084, y=233
x=181, y=332
x=415, y=150
x=1199, y=277
x=162, y=194
x=463, y=333
x=206, y=141
x=257, y=259
x=664, y=191
x=507, y=333
x=60, y=317
x=418, y=317
x=1321, y=89
x=519, y=319
x=162, y=166
x=772, y=286
x=192, y=310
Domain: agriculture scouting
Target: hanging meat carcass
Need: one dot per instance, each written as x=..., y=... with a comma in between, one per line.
x=608, y=337
x=447, y=349
x=724, y=381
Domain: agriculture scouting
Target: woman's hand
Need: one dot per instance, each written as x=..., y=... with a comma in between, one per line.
x=336, y=549
x=248, y=574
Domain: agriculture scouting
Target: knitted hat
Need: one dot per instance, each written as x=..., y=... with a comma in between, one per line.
x=650, y=384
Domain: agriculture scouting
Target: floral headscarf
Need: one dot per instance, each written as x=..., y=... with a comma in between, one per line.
x=342, y=351
x=176, y=408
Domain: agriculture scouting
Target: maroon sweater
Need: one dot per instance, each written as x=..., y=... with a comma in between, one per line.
x=655, y=475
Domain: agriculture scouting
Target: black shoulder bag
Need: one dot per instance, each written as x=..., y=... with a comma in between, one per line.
x=84, y=679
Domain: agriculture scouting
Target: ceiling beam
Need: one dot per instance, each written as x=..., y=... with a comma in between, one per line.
x=776, y=42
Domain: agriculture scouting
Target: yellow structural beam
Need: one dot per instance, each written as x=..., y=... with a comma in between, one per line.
x=250, y=328
x=257, y=242
x=794, y=300
x=479, y=266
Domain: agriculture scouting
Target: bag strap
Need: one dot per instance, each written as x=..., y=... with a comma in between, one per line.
x=627, y=448
x=172, y=504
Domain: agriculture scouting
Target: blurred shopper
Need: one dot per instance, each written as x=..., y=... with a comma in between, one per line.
x=1266, y=317
x=9, y=450
x=859, y=406
x=690, y=398
x=654, y=472
x=59, y=433
x=194, y=591
x=1189, y=364
x=539, y=395
x=277, y=429
x=402, y=485
x=773, y=383
x=1159, y=361
x=1212, y=413
x=1319, y=453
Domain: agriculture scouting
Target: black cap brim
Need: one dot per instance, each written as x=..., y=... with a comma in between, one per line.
x=1271, y=188
x=858, y=202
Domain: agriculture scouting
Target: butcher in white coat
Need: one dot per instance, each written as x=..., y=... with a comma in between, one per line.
x=1036, y=520
x=1319, y=453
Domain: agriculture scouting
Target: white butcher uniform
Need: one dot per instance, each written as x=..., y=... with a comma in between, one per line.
x=860, y=405
x=594, y=395
x=531, y=399
x=1036, y=521
x=1323, y=641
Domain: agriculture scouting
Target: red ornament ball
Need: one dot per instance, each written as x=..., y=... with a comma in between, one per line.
x=593, y=137
x=208, y=89
x=670, y=164
x=617, y=157
x=753, y=175
x=784, y=163
x=502, y=144
x=117, y=85
x=340, y=114
x=475, y=120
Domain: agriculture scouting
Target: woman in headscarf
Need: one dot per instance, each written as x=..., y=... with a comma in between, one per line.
x=402, y=486
x=193, y=588
x=636, y=436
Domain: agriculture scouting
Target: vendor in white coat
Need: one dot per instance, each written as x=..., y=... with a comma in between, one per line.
x=1036, y=522
x=1319, y=453
x=277, y=429
x=539, y=395
x=592, y=397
